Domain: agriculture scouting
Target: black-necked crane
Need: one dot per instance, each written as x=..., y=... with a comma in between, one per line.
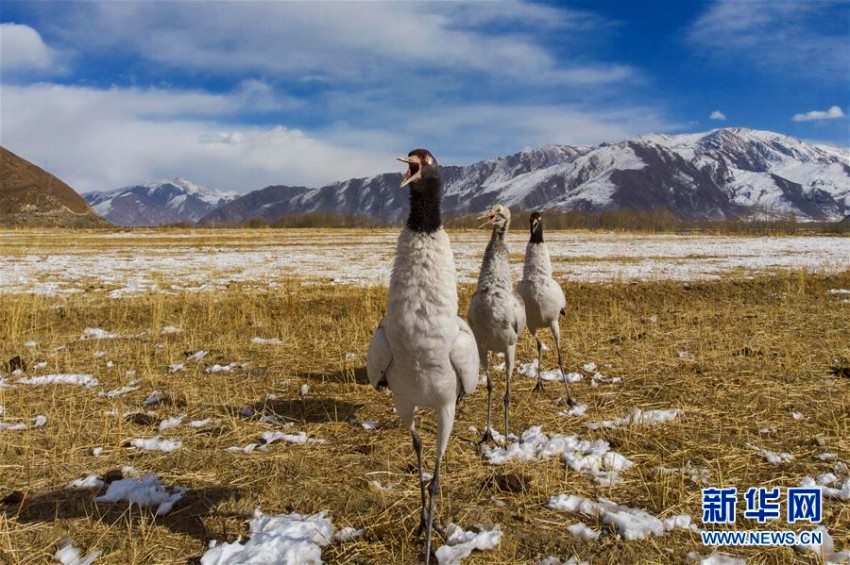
x=422, y=350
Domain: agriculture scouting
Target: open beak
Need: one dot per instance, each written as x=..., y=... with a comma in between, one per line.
x=488, y=217
x=534, y=224
x=414, y=170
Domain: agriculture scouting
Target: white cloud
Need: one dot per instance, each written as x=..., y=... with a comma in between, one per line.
x=786, y=38
x=22, y=49
x=99, y=139
x=831, y=114
x=345, y=41
x=717, y=115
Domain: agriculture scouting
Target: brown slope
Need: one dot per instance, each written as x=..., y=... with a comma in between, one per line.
x=31, y=195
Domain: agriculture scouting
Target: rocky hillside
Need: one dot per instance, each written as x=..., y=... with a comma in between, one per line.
x=29, y=195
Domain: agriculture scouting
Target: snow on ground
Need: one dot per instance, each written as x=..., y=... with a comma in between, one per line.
x=164, y=263
x=826, y=550
x=831, y=485
x=156, y=444
x=592, y=458
x=716, y=558
x=639, y=417
x=284, y=538
x=630, y=523
x=202, y=423
x=173, y=422
x=97, y=333
x=145, y=491
x=89, y=481
x=60, y=379
x=266, y=341
x=114, y=393
x=460, y=544
x=772, y=456
x=577, y=410
x=67, y=554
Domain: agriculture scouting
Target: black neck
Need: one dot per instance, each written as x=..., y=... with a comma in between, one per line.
x=537, y=235
x=424, y=214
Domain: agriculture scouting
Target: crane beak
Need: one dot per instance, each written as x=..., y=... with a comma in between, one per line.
x=414, y=170
x=488, y=217
x=534, y=224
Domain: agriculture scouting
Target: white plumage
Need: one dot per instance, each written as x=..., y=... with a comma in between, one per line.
x=422, y=350
x=544, y=299
x=496, y=314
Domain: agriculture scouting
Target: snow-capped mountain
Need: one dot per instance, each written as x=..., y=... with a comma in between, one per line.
x=157, y=203
x=725, y=173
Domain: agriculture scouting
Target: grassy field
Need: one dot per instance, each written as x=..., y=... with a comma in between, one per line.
x=737, y=356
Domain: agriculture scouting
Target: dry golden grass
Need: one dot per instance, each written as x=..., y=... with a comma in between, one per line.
x=761, y=349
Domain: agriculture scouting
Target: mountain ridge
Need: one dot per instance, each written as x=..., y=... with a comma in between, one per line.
x=157, y=202
x=726, y=173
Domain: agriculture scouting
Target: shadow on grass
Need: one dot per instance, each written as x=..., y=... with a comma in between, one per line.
x=187, y=516
x=310, y=410
x=348, y=375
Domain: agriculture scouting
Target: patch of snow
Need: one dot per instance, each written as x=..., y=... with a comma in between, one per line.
x=172, y=422
x=298, y=438
x=17, y=427
x=716, y=558
x=60, y=379
x=97, y=451
x=266, y=341
x=347, y=534
x=145, y=491
x=31, y=344
x=90, y=481
x=592, y=458
x=639, y=417
x=630, y=523
x=153, y=398
x=830, y=485
x=284, y=538
x=39, y=421
x=67, y=554
x=156, y=444
x=589, y=367
x=97, y=333
x=114, y=393
x=577, y=410
x=349, y=355
x=826, y=549
x=827, y=457
x=797, y=415
x=772, y=456
x=176, y=367
x=170, y=330
x=460, y=544
x=839, y=291
x=201, y=423
x=40, y=365
x=303, y=390
x=197, y=356
x=221, y=368
x=581, y=530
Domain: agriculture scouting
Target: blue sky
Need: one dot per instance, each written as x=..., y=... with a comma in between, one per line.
x=239, y=95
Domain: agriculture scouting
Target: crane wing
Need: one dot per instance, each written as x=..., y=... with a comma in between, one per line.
x=378, y=358
x=464, y=358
